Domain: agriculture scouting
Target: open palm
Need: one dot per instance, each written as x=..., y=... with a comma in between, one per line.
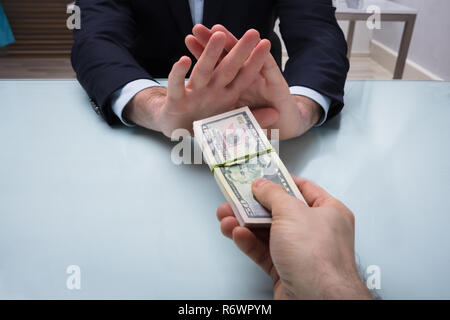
x=268, y=96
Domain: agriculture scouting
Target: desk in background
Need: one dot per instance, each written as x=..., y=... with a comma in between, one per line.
x=357, y=10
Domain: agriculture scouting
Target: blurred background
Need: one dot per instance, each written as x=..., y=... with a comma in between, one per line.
x=35, y=41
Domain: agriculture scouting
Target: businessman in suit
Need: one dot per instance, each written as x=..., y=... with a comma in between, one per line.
x=123, y=45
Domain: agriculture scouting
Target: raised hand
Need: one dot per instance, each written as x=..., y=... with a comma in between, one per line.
x=215, y=86
x=268, y=95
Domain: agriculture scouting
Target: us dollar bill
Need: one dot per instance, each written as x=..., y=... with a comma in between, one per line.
x=238, y=152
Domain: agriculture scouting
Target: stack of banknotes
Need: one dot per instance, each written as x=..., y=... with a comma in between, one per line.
x=238, y=152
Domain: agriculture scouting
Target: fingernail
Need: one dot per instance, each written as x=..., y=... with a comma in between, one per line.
x=259, y=182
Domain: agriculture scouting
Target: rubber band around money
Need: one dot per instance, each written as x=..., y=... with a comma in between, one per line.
x=234, y=161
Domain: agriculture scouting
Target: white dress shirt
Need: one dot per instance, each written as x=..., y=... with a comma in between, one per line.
x=121, y=97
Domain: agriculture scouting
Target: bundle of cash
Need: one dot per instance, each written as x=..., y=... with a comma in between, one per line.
x=238, y=152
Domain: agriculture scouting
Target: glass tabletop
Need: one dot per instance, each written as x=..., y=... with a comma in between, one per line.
x=74, y=191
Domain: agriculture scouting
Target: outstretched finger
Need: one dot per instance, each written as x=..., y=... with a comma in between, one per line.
x=194, y=46
x=270, y=69
x=229, y=67
x=252, y=67
x=231, y=39
x=202, y=34
x=203, y=70
x=176, y=88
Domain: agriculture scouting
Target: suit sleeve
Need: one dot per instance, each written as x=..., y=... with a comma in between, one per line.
x=101, y=54
x=316, y=47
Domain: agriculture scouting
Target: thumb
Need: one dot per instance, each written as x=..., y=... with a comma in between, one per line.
x=269, y=193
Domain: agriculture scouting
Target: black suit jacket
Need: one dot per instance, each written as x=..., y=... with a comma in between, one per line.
x=125, y=40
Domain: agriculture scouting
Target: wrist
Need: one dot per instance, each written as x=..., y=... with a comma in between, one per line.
x=310, y=110
x=347, y=286
x=143, y=108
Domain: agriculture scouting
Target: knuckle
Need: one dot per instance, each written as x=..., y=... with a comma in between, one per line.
x=350, y=216
x=286, y=205
x=341, y=211
x=279, y=206
x=275, y=191
x=307, y=185
x=319, y=201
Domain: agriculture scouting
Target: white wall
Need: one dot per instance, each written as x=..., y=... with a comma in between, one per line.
x=361, y=38
x=430, y=45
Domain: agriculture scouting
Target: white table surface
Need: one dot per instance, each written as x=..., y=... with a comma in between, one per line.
x=387, y=7
x=74, y=191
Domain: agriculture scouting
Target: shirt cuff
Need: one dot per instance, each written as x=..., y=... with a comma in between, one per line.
x=121, y=97
x=322, y=100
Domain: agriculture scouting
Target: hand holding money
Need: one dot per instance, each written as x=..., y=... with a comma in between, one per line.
x=308, y=251
x=238, y=152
